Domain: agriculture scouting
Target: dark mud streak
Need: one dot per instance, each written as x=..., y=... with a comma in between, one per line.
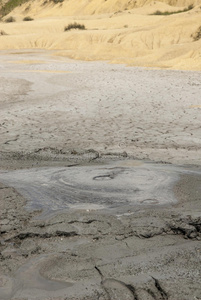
x=26, y=235
x=190, y=233
x=97, y=155
x=84, y=222
x=170, y=229
x=163, y=293
x=102, y=283
x=178, y=230
x=196, y=224
x=14, y=140
x=103, y=176
x=133, y=291
x=151, y=293
x=128, y=286
x=99, y=272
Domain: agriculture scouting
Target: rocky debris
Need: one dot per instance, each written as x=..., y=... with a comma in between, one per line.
x=189, y=227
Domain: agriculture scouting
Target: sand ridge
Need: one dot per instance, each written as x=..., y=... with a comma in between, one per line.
x=116, y=31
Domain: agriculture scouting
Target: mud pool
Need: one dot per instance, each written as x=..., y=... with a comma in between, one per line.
x=113, y=187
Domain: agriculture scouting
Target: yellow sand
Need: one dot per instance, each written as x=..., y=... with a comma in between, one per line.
x=120, y=31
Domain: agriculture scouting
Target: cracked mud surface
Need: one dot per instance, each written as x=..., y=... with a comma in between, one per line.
x=144, y=252
x=97, y=241
x=71, y=106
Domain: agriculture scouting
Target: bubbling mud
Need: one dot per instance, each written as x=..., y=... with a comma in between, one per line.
x=109, y=186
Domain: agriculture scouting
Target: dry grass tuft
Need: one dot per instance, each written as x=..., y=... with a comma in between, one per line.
x=74, y=26
x=10, y=20
x=28, y=19
x=197, y=36
x=167, y=13
x=2, y=32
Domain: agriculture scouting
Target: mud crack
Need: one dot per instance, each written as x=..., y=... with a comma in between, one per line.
x=114, y=288
x=99, y=272
x=160, y=289
x=58, y=233
x=85, y=222
x=133, y=290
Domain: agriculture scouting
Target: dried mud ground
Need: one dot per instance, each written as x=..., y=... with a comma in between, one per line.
x=98, y=247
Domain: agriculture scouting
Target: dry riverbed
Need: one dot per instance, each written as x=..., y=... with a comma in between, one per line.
x=82, y=216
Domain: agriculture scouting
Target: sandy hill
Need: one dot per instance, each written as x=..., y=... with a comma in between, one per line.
x=122, y=31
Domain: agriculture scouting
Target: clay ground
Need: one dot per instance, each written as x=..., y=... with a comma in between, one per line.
x=58, y=114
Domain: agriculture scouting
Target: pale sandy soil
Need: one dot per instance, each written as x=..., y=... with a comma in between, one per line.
x=118, y=31
x=109, y=227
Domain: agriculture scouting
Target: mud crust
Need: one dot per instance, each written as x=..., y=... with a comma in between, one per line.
x=149, y=254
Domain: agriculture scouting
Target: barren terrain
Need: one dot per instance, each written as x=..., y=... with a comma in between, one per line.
x=123, y=31
x=100, y=180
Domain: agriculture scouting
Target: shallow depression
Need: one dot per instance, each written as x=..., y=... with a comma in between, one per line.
x=108, y=186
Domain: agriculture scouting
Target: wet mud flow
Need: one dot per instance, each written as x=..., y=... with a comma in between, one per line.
x=95, y=187
x=118, y=186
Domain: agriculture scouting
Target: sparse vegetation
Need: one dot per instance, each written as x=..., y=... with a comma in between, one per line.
x=74, y=26
x=10, y=5
x=167, y=13
x=27, y=8
x=2, y=32
x=45, y=2
x=197, y=35
x=57, y=1
x=10, y=20
x=28, y=19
